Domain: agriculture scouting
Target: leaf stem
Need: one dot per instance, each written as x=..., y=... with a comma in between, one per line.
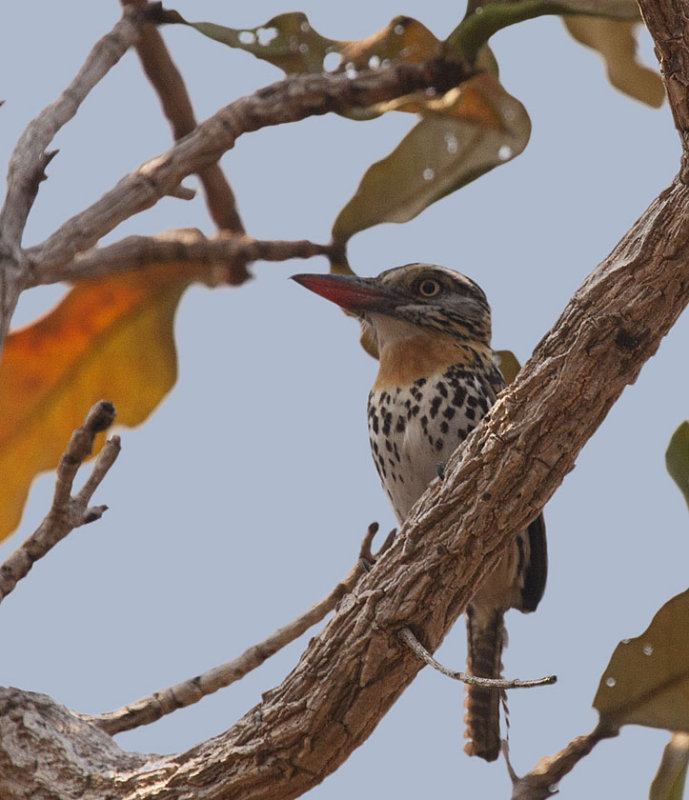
x=482, y=21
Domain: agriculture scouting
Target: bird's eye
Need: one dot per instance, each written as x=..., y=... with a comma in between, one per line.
x=428, y=287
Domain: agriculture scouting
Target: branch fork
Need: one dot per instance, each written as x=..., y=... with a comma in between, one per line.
x=67, y=511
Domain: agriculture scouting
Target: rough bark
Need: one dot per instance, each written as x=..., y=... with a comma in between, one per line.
x=356, y=668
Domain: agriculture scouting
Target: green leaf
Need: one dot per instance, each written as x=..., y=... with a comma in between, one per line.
x=671, y=777
x=677, y=458
x=647, y=679
x=466, y=133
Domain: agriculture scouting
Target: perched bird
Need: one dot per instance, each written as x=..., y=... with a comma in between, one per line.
x=431, y=328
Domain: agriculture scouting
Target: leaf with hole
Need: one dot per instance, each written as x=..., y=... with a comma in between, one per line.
x=288, y=41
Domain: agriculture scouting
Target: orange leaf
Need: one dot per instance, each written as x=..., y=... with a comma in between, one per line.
x=108, y=339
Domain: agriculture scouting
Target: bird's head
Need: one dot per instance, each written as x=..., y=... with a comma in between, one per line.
x=409, y=301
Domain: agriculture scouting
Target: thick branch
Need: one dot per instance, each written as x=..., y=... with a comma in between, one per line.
x=667, y=23
x=356, y=668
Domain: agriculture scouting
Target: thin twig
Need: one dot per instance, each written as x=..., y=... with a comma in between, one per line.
x=488, y=683
x=151, y=708
x=183, y=245
x=542, y=781
x=183, y=193
x=290, y=100
x=168, y=83
x=67, y=512
x=29, y=159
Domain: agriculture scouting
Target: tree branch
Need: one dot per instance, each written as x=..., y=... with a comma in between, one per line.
x=27, y=166
x=541, y=782
x=407, y=636
x=152, y=708
x=167, y=81
x=666, y=21
x=29, y=158
x=290, y=100
x=67, y=512
x=185, y=246
x=498, y=480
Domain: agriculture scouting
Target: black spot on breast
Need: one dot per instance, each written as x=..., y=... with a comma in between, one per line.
x=459, y=397
x=444, y=427
x=441, y=388
x=435, y=405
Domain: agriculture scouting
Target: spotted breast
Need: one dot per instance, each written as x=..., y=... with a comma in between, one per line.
x=431, y=329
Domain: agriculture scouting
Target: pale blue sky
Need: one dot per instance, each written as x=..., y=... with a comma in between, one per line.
x=245, y=497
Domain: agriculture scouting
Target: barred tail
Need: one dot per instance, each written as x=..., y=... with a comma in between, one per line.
x=486, y=638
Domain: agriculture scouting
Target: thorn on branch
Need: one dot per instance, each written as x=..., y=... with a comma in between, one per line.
x=487, y=683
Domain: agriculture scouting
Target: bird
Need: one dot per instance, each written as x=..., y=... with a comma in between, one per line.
x=431, y=329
